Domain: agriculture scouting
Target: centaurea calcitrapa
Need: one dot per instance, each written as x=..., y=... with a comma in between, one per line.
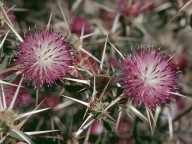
x=24, y=96
x=12, y=122
x=149, y=77
x=44, y=57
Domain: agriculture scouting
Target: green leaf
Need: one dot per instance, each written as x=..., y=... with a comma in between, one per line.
x=6, y=61
x=107, y=125
x=117, y=72
x=10, y=78
x=20, y=136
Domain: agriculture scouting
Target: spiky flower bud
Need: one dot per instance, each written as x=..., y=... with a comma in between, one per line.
x=96, y=128
x=78, y=23
x=180, y=61
x=24, y=96
x=97, y=108
x=6, y=120
x=83, y=61
x=149, y=77
x=44, y=57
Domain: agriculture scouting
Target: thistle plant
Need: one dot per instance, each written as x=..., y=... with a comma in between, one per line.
x=100, y=72
x=44, y=57
x=149, y=77
x=24, y=96
x=11, y=122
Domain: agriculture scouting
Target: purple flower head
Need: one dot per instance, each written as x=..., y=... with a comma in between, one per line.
x=44, y=57
x=149, y=77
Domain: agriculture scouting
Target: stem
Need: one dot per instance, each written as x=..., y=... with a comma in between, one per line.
x=114, y=102
x=83, y=128
x=135, y=130
x=123, y=25
x=37, y=95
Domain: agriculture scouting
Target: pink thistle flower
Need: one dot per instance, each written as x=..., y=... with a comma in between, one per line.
x=78, y=23
x=44, y=57
x=24, y=96
x=149, y=77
